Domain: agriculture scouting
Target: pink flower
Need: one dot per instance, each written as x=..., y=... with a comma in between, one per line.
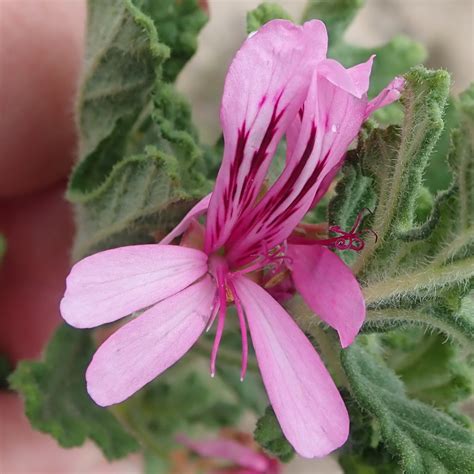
x=279, y=82
x=244, y=459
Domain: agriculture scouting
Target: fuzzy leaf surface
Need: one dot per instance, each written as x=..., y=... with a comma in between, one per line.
x=422, y=438
x=428, y=366
x=178, y=24
x=183, y=400
x=56, y=400
x=263, y=14
x=416, y=272
x=268, y=434
x=140, y=166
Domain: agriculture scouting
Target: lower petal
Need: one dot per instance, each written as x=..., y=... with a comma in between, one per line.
x=329, y=288
x=144, y=348
x=115, y=283
x=306, y=401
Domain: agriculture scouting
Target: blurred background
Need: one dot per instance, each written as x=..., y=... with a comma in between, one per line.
x=445, y=27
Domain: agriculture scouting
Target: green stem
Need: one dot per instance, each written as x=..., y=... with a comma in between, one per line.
x=450, y=327
x=413, y=283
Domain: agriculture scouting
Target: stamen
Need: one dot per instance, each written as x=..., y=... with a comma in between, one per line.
x=220, y=323
x=269, y=257
x=351, y=240
x=243, y=331
x=215, y=310
x=276, y=279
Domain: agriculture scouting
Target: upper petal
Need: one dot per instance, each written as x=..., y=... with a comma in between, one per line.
x=265, y=87
x=331, y=118
x=146, y=346
x=112, y=284
x=306, y=401
x=329, y=288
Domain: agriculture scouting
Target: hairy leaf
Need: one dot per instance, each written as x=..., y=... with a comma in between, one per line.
x=423, y=274
x=358, y=464
x=364, y=452
x=428, y=366
x=140, y=166
x=182, y=400
x=130, y=205
x=269, y=435
x=56, y=400
x=122, y=65
x=420, y=273
x=263, y=14
x=178, y=23
x=424, y=439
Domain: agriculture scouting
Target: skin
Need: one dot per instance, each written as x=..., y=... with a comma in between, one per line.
x=41, y=46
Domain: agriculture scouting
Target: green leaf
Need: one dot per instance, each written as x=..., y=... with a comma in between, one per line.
x=394, y=58
x=364, y=452
x=178, y=23
x=56, y=400
x=354, y=192
x=172, y=115
x=183, y=399
x=250, y=393
x=419, y=274
x=438, y=175
x=140, y=167
x=122, y=65
x=357, y=464
x=414, y=275
x=428, y=366
x=268, y=434
x=336, y=14
x=448, y=312
x=263, y=14
x=141, y=194
x=422, y=438
x=154, y=464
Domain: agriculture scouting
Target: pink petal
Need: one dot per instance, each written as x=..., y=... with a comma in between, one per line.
x=265, y=87
x=360, y=75
x=390, y=94
x=356, y=81
x=306, y=401
x=228, y=450
x=329, y=288
x=145, y=347
x=292, y=134
x=198, y=210
x=332, y=115
x=352, y=81
x=112, y=284
x=326, y=183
